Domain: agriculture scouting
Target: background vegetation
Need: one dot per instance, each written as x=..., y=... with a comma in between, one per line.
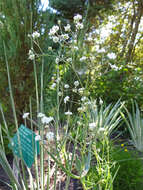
x=104, y=53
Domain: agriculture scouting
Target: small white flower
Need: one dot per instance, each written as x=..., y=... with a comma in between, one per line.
x=101, y=102
x=74, y=90
x=46, y=120
x=90, y=39
x=75, y=41
x=79, y=123
x=67, y=28
x=83, y=98
x=57, y=60
x=59, y=93
x=58, y=79
x=25, y=115
x=77, y=18
x=53, y=30
x=83, y=58
x=102, y=50
x=35, y=35
x=53, y=85
x=66, y=86
x=87, y=103
x=116, y=68
x=81, y=109
x=75, y=47
x=92, y=58
x=92, y=126
x=50, y=48
x=50, y=136
x=81, y=90
x=37, y=138
x=79, y=26
x=59, y=22
x=76, y=83
x=31, y=55
x=81, y=72
x=66, y=99
x=30, y=52
x=111, y=55
x=69, y=59
x=64, y=37
x=55, y=39
x=98, y=150
x=68, y=113
x=40, y=115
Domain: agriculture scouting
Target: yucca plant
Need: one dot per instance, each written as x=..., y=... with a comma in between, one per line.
x=134, y=123
x=105, y=118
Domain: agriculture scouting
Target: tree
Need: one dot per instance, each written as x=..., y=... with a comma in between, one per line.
x=69, y=8
x=18, y=19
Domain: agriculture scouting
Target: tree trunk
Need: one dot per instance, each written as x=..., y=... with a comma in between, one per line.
x=134, y=32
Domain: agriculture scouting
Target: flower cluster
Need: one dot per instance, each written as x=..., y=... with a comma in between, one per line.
x=66, y=86
x=31, y=54
x=92, y=126
x=25, y=115
x=68, y=113
x=50, y=136
x=53, y=30
x=76, y=83
x=77, y=18
x=66, y=99
x=83, y=58
x=35, y=35
x=45, y=119
x=67, y=28
x=54, y=79
x=77, y=22
x=53, y=34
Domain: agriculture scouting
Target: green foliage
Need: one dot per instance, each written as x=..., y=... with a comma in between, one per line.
x=125, y=168
x=134, y=123
x=103, y=170
x=129, y=175
x=69, y=8
x=19, y=19
x=5, y=138
x=118, y=84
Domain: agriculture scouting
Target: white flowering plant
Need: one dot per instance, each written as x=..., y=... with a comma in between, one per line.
x=69, y=146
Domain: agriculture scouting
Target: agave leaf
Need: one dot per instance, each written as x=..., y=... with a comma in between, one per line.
x=135, y=125
x=87, y=165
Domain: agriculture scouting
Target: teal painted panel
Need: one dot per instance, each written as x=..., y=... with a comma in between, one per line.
x=25, y=147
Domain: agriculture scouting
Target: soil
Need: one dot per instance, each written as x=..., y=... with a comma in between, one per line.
x=3, y=175
x=74, y=184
